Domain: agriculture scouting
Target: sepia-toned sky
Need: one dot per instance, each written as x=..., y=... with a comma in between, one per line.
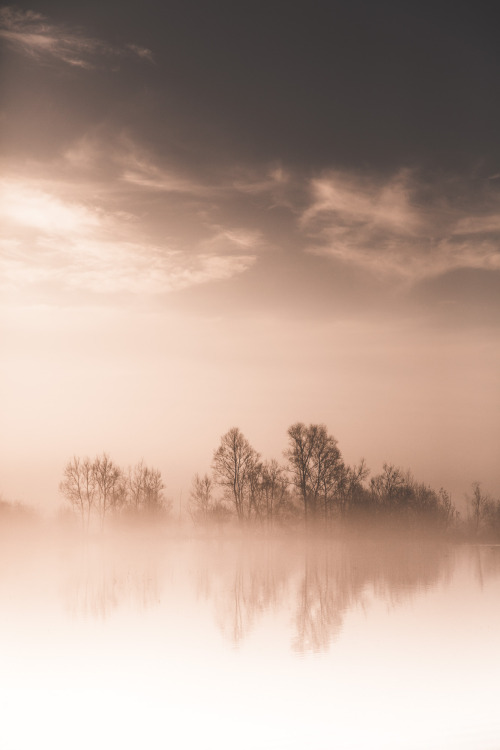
x=251, y=214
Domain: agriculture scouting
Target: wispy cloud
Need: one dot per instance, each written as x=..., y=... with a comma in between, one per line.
x=489, y=224
x=34, y=35
x=141, y=168
x=65, y=244
x=387, y=229
x=113, y=217
x=354, y=200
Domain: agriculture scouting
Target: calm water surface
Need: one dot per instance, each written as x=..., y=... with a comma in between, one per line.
x=142, y=641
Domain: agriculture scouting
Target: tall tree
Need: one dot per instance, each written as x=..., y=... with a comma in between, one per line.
x=478, y=503
x=315, y=461
x=145, y=489
x=274, y=490
x=201, y=498
x=79, y=487
x=350, y=488
x=233, y=464
x=110, y=486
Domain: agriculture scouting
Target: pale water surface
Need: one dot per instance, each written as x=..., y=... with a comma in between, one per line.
x=144, y=641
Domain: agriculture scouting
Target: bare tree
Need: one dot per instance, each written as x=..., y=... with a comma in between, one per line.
x=110, y=486
x=478, y=503
x=314, y=461
x=152, y=490
x=79, y=487
x=201, y=498
x=492, y=516
x=274, y=490
x=349, y=487
x=390, y=488
x=145, y=489
x=134, y=486
x=233, y=463
x=254, y=490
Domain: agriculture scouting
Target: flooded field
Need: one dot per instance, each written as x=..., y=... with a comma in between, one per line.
x=150, y=640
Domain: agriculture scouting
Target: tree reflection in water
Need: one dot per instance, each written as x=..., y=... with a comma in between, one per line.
x=104, y=578
x=315, y=582
x=318, y=581
x=244, y=580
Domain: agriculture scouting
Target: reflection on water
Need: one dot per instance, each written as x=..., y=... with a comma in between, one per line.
x=317, y=581
x=386, y=629
x=99, y=586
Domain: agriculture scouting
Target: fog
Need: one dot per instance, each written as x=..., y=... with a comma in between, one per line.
x=161, y=635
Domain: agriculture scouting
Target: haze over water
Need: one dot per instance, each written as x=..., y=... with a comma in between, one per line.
x=249, y=277
x=289, y=641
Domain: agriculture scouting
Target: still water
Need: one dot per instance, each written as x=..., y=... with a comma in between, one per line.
x=152, y=641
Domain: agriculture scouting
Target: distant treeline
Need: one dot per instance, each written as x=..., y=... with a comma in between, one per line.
x=98, y=488
x=16, y=511
x=313, y=484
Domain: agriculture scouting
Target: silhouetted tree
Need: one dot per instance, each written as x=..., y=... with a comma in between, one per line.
x=390, y=488
x=492, y=517
x=79, y=487
x=398, y=495
x=201, y=498
x=315, y=462
x=478, y=503
x=234, y=464
x=275, y=496
x=111, y=490
x=144, y=490
x=350, y=492
x=100, y=487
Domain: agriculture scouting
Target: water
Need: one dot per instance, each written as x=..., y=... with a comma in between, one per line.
x=147, y=640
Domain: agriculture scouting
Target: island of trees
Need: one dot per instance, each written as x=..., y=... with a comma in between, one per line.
x=312, y=485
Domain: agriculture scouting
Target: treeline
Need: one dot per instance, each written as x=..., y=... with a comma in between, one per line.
x=98, y=488
x=314, y=483
x=484, y=513
x=16, y=511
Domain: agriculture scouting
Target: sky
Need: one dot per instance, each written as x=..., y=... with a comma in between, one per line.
x=249, y=214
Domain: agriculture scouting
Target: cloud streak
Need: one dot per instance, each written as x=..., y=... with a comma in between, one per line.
x=389, y=230
x=114, y=218
x=51, y=240
x=31, y=34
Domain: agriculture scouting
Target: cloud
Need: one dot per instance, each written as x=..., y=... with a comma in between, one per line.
x=113, y=217
x=489, y=224
x=55, y=242
x=389, y=230
x=141, y=168
x=356, y=201
x=143, y=52
x=32, y=34
x=34, y=208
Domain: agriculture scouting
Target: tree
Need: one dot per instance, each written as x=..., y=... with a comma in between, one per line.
x=79, y=487
x=144, y=490
x=203, y=506
x=492, y=516
x=153, y=500
x=391, y=488
x=274, y=490
x=397, y=494
x=478, y=503
x=233, y=464
x=111, y=490
x=315, y=463
x=201, y=498
x=350, y=491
